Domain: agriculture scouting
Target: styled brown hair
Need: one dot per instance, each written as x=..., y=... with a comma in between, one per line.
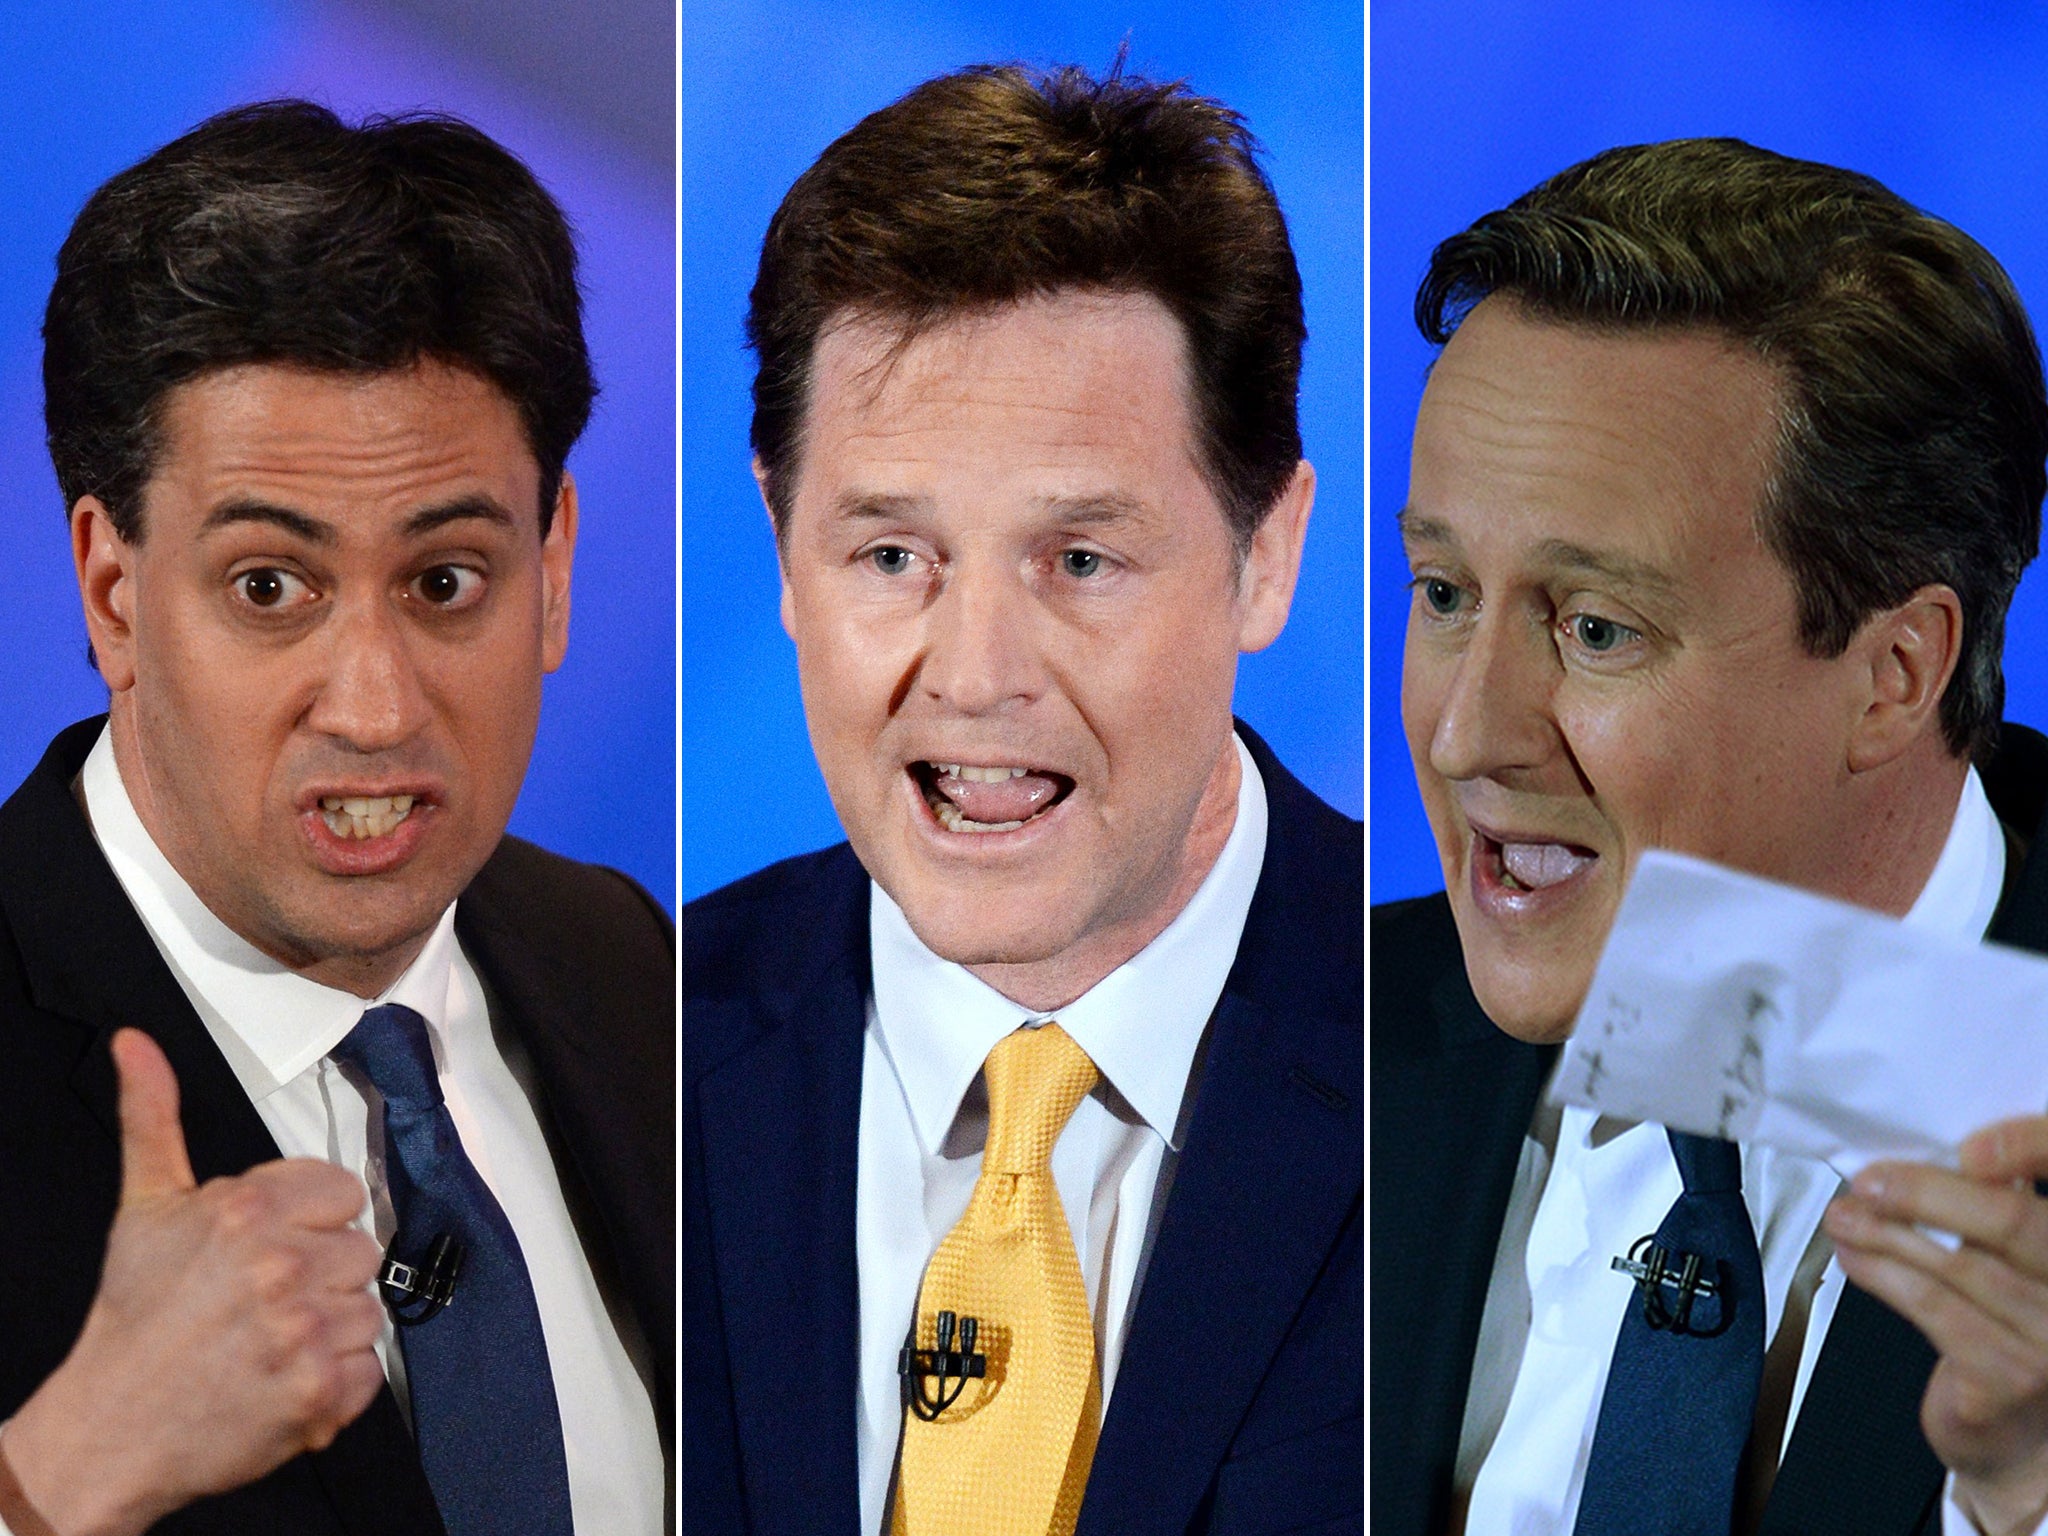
x=996, y=184
x=1912, y=423
x=277, y=233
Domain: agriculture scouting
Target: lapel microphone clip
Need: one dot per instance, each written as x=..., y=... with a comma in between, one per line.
x=415, y=1293
x=1655, y=1268
x=947, y=1368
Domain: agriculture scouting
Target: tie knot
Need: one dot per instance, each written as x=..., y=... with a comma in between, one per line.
x=1035, y=1078
x=389, y=1046
x=1706, y=1164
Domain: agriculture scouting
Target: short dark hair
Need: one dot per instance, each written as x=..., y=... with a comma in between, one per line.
x=1912, y=424
x=998, y=184
x=276, y=233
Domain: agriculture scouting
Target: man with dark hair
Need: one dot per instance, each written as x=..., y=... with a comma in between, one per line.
x=310, y=389
x=1722, y=483
x=1022, y=1188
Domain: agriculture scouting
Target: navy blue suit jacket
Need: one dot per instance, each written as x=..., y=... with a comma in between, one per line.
x=1238, y=1399
x=1451, y=1101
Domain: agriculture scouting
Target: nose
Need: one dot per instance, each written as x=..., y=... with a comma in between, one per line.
x=1493, y=699
x=370, y=697
x=981, y=650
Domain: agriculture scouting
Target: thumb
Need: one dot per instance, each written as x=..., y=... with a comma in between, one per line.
x=153, y=1159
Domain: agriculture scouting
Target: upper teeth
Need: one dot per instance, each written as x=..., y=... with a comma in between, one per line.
x=363, y=815
x=975, y=775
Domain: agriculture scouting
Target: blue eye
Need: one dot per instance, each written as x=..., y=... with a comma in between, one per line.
x=1441, y=597
x=890, y=560
x=1080, y=562
x=1596, y=634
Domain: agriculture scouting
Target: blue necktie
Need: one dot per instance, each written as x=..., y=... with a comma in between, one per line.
x=483, y=1398
x=1681, y=1391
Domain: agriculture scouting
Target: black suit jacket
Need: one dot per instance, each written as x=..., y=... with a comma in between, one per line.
x=1238, y=1397
x=577, y=962
x=1451, y=1102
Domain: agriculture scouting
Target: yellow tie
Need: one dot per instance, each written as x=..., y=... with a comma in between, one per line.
x=1009, y=1456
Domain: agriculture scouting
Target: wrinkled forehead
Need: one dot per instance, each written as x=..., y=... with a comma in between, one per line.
x=341, y=442
x=1580, y=427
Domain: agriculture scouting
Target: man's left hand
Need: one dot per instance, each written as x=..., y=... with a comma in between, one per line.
x=1983, y=1306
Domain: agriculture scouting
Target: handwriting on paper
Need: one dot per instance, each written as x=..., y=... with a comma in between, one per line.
x=1732, y=1006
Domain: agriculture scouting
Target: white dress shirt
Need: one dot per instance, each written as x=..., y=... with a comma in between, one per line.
x=924, y=1115
x=276, y=1028
x=1586, y=1187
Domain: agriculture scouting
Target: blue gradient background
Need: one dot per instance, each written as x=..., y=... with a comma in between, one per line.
x=1472, y=105
x=765, y=87
x=91, y=86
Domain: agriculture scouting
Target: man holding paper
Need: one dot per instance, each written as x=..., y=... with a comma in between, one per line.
x=1721, y=486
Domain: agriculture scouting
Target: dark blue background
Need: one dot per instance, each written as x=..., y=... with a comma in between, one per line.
x=584, y=94
x=1473, y=104
x=765, y=87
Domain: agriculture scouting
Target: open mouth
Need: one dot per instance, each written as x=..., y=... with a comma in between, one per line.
x=352, y=817
x=1532, y=866
x=973, y=798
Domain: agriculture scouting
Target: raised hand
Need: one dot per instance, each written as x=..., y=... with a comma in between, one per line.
x=1983, y=1305
x=233, y=1328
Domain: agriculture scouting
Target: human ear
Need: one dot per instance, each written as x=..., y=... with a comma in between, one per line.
x=1265, y=586
x=106, y=584
x=781, y=565
x=557, y=559
x=1910, y=653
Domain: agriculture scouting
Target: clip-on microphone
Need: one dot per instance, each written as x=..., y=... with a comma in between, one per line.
x=943, y=1365
x=426, y=1288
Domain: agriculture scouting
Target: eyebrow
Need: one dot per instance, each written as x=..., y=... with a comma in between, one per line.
x=1616, y=568
x=1109, y=507
x=249, y=509
x=1418, y=527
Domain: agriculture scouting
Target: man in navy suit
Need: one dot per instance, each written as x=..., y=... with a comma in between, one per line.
x=1025, y=426
x=1721, y=486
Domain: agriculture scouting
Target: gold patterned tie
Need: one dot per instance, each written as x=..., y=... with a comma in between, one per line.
x=1009, y=1454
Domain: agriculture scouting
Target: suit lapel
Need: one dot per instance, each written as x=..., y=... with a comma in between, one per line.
x=1216, y=1302
x=1451, y=1105
x=781, y=1131
x=1857, y=1464
x=1277, y=1108
x=88, y=958
x=601, y=1114
x=1857, y=1461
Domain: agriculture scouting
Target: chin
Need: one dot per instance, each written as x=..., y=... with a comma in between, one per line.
x=985, y=928
x=1539, y=1008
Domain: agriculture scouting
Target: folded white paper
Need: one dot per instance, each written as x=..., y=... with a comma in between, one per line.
x=1731, y=1006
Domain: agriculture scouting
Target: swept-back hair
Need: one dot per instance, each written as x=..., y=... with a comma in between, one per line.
x=1912, y=423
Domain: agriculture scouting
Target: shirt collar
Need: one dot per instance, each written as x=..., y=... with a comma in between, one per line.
x=1962, y=893
x=1140, y=1025
x=270, y=1022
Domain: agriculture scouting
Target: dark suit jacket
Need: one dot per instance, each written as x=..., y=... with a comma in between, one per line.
x=1451, y=1102
x=577, y=962
x=1237, y=1401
